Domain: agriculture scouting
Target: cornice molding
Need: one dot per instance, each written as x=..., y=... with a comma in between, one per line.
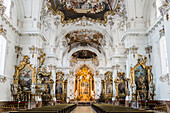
x=147, y=32
x=19, y=33
x=132, y=33
x=156, y=24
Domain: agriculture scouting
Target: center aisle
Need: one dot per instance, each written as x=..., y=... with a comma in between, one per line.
x=83, y=109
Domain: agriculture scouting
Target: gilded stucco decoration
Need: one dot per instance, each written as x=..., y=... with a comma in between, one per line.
x=165, y=8
x=2, y=7
x=18, y=51
x=96, y=11
x=134, y=50
x=165, y=79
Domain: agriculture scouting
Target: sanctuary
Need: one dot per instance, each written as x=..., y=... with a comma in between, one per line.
x=58, y=54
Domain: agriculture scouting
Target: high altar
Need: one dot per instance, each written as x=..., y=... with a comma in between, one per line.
x=84, y=84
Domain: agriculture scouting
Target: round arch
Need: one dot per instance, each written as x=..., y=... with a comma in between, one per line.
x=99, y=29
x=67, y=57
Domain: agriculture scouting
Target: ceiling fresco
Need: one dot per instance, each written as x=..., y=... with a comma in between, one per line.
x=73, y=9
x=86, y=36
x=84, y=54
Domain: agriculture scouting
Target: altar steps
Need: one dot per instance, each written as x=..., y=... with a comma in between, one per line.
x=84, y=103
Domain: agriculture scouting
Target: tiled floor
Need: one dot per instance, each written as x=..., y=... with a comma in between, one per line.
x=83, y=109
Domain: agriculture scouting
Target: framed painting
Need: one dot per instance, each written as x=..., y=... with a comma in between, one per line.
x=141, y=78
x=121, y=88
x=108, y=81
x=109, y=87
x=84, y=88
x=121, y=83
x=59, y=88
x=25, y=78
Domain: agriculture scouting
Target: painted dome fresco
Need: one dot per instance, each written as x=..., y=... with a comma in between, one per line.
x=79, y=8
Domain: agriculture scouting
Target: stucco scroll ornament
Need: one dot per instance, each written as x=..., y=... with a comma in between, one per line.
x=165, y=78
x=2, y=30
x=134, y=50
x=2, y=7
x=165, y=8
x=18, y=51
x=33, y=50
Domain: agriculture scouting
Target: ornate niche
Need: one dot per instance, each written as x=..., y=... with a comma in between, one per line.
x=44, y=84
x=121, y=85
x=108, y=83
x=141, y=81
x=61, y=86
x=24, y=81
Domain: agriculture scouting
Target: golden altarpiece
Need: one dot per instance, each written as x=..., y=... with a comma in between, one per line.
x=60, y=86
x=44, y=84
x=121, y=85
x=141, y=81
x=108, y=85
x=30, y=82
x=24, y=81
x=84, y=84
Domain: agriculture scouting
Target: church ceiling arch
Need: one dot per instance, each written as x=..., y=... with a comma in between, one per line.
x=73, y=9
x=67, y=56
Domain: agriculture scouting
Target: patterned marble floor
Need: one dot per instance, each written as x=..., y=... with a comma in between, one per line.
x=83, y=109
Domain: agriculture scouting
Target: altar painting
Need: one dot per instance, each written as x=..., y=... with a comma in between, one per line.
x=121, y=89
x=59, y=88
x=84, y=88
x=109, y=88
x=25, y=78
x=141, y=77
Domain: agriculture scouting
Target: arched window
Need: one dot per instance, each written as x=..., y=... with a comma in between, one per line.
x=2, y=54
x=158, y=4
x=164, y=57
x=7, y=4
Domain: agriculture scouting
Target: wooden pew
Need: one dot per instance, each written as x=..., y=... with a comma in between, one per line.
x=61, y=108
x=6, y=108
x=160, y=108
x=107, y=108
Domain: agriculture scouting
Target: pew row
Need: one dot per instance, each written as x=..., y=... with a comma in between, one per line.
x=61, y=108
x=108, y=108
